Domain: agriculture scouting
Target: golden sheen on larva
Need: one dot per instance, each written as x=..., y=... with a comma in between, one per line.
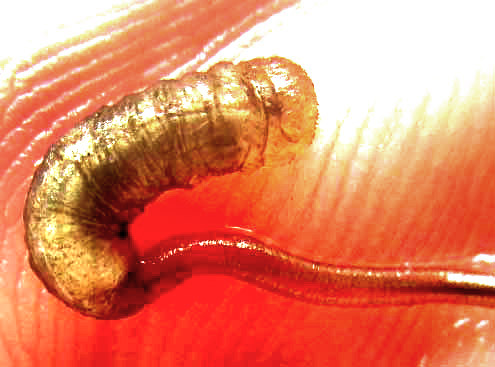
x=99, y=176
x=96, y=178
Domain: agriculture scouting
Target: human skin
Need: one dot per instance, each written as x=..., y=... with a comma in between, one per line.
x=410, y=182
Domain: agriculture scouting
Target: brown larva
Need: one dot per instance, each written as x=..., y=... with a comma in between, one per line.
x=95, y=179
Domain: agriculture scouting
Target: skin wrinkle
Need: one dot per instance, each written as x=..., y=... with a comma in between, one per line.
x=211, y=51
x=430, y=175
x=447, y=211
x=109, y=55
x=471, y=169
x=40, y=112
x=343, y=187
x=366, y=180
x=367, y=223
x=307, y=213
x=84, y=64
x=402, y=164
x=406, y=186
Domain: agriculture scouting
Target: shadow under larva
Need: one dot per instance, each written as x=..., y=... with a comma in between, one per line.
x=96, y=178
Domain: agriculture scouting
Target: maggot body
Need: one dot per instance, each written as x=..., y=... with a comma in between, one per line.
x=94, y=180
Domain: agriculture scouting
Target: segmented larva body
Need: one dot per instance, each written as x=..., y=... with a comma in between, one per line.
x=95, y=179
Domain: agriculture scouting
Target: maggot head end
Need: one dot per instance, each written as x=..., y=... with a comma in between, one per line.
x=291, y=107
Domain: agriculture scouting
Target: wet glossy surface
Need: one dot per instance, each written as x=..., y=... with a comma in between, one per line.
x=261, y=262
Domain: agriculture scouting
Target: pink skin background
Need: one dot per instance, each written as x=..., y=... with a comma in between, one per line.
x=408, y=185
